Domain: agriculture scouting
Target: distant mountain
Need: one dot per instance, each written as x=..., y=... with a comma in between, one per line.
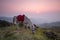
x=53, y=24
x=48, y=25
x=9, y=19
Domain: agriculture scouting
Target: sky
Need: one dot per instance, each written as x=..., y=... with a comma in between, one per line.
x=39, y=11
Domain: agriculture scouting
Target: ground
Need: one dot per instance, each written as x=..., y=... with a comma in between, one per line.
x=11, y=33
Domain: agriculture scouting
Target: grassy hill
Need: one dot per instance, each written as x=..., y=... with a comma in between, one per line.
x=11, y=33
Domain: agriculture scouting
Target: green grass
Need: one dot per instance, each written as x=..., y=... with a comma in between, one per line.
x=21, y=34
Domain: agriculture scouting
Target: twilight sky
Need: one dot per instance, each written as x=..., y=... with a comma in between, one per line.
x=39, y=11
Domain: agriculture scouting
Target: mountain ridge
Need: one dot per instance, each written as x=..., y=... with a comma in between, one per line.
x=49, y=25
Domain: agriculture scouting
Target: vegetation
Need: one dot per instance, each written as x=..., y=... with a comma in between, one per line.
x=55, y=30
x=20, y=24
x=4, y=23
x=12, y=33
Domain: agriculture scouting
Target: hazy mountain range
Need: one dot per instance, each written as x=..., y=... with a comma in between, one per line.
x=53, y=24
x=9, y=19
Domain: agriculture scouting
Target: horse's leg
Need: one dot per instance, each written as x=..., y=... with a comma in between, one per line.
x=17, y=25
x=33, y=29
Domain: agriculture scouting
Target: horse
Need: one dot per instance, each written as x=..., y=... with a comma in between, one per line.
x=25, y=21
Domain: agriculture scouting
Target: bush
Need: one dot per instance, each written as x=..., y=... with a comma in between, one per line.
x=4, y=23
x=20, y=24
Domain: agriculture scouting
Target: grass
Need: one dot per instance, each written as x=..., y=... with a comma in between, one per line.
x=11, y=33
